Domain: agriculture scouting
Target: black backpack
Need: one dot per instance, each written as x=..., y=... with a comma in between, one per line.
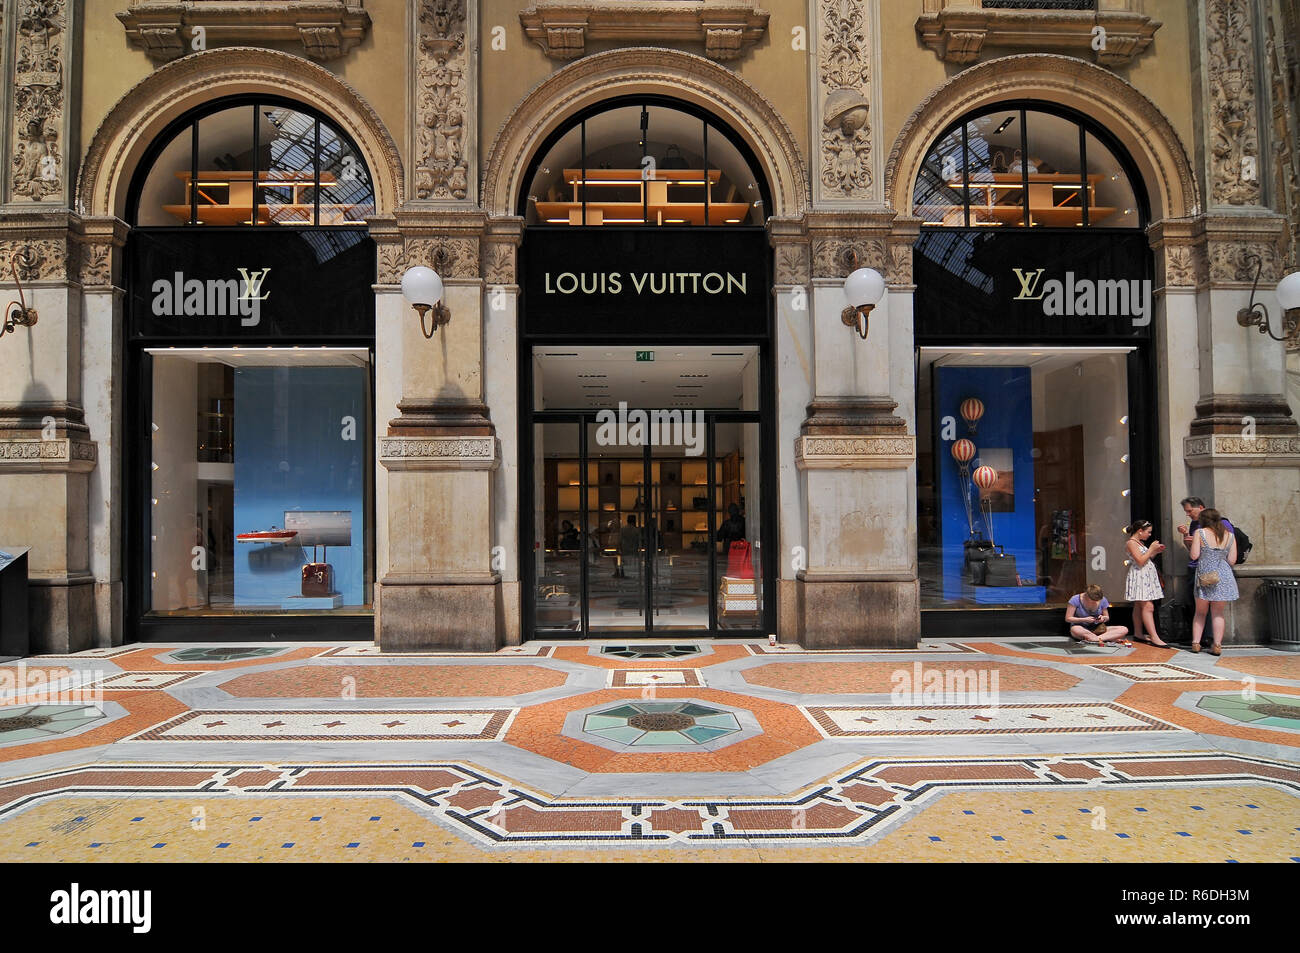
x=1244, y=545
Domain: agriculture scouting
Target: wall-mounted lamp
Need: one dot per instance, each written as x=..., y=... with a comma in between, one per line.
x=17, y=314
x=422, y=287
x=1288, y=296
x=863, y=288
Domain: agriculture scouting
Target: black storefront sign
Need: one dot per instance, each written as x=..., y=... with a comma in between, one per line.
x=251, y=285
x=1029, y=285
x=646, y=283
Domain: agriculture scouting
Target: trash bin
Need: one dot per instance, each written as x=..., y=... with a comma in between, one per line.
x=1284, y=614
x=14, y=637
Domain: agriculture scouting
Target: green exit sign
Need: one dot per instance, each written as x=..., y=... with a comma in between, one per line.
x=645, y=355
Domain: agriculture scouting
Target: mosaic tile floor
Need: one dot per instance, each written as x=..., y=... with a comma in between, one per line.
x=959, y=750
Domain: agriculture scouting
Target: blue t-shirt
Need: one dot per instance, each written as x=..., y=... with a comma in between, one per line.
x=1080, y=611
x=1193, y=527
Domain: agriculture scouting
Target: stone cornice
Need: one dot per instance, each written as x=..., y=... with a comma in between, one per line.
x=726, y=28
x=439, y=453
x=895, y=452
x=60, y=455
x=164, y=29
x=959, y=34
x=1222, y=451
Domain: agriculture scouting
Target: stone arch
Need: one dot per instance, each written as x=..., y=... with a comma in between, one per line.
x=1130, y=116
x=633, y=70
x=141, y=115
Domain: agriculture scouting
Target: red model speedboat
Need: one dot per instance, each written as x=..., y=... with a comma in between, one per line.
x=272, y=535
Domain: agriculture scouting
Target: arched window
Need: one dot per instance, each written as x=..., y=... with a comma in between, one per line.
x=644, y=161
x=261, y=161
x=1028, y=165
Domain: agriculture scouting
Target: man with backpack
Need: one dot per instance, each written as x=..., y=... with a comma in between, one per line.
x=1192, y=506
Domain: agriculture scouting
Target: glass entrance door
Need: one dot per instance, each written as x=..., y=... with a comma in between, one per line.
x=646, y=538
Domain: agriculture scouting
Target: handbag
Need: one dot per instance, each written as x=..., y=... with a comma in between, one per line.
x=975, y=560
x=317, y=579
x=1207, y=580
x=1001, y=569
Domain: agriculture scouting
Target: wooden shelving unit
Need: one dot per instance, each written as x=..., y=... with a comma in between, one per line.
x=1055, y=199
x=614, y=493
x=226, y=198
x=622, y=196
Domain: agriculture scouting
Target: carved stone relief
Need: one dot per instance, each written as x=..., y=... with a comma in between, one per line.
x=1283, y=49
x=499, y=263
x=1184, y=266
x=38, y=100
x=843, y=67
x=563, y=27
x=40, y=259
x=792, y=264
x=442, y=101
x=95, y=264
x=1234, y=122
x=1234, y=261
x=835, y=257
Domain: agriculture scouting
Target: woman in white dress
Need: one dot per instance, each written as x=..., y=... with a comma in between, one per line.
x=1142, y=585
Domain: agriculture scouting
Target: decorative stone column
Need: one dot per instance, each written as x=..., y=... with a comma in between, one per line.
x=46, y=453
x=855, y=455
x=437, y=588
x=1242, y=450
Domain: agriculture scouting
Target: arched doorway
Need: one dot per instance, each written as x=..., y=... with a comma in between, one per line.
x=647, y=437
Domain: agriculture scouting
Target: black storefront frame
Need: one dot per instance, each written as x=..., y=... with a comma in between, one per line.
x=1145, y=495
x=582, y=419
x=766, y=419
x=138, y=402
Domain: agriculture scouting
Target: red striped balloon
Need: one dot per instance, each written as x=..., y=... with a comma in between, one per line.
x=963, y=451
x=984, y=477
x=972, y=409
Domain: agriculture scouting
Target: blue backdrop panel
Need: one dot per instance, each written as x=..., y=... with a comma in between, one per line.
x=291, y=453
x=1008, y=423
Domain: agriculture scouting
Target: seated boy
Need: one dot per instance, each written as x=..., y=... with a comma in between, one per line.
x=1088, y=611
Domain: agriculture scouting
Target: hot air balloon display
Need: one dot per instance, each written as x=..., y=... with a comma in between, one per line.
x=972, y=409
x=963, y=451
x=984, y=478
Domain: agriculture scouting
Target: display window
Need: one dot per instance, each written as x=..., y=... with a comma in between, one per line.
x=1024, y=486
x=260, y=479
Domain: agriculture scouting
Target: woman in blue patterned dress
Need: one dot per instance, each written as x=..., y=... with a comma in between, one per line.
x=1142, y=585
x=1214, y=548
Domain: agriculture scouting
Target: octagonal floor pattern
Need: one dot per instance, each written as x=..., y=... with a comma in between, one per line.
x=956, y=750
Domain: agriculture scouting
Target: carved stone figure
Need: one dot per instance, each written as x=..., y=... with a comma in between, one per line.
x=37, y=167
x=442, y=101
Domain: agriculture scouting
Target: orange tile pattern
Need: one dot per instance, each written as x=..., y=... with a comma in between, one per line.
x=537, y=728
x=866, y=678
x=395, y=681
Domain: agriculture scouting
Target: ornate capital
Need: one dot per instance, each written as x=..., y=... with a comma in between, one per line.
x=792, y=263
x=37, y=259
x=165, y=29
x=836, y=257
